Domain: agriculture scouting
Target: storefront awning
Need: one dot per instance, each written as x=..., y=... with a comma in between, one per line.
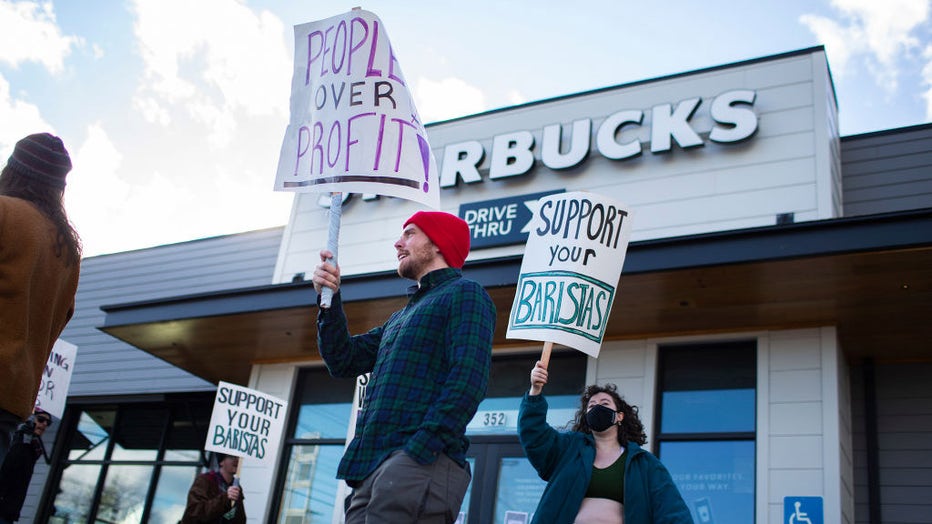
x=869, y=276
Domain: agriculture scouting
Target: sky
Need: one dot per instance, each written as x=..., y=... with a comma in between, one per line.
x=174, y=110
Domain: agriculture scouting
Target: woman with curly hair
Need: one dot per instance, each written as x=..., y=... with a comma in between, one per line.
x=596, y=473
x=40, y=258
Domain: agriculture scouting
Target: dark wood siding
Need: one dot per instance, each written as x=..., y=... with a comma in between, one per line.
x=887, y=171
x=107, y=366
x=903, y=399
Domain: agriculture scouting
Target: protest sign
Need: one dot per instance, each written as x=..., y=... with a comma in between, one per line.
x=570, y=271
x=245, y=422
x=56, y=378
x=353, y=125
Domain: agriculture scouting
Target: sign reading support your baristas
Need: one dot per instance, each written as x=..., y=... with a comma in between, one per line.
x=354, y=127
x=570, y=271
x=245, y=422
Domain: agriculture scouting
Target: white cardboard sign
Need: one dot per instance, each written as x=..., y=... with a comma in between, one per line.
x=570, y=270
x=245, y=422
x=353, y=126
x=56, y=378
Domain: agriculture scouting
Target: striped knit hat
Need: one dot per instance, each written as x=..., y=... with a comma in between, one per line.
x=41, y=157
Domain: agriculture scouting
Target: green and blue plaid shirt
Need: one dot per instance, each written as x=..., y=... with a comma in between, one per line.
x=430, y=369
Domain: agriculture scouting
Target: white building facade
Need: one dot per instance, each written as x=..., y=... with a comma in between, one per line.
x=768, y=321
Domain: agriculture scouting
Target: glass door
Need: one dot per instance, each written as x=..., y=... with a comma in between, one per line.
x=505, y=488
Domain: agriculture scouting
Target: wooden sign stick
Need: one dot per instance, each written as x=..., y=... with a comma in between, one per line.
x=545, y=354
x=239, y=469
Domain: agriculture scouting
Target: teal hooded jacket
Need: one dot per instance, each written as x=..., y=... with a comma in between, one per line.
x=564, y=460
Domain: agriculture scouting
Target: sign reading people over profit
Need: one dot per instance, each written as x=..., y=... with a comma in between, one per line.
x=245, y=422
x=354, y=127
x=56, y=378
x=570, y=271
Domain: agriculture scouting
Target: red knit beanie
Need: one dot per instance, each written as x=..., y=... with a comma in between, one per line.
x=449, y=233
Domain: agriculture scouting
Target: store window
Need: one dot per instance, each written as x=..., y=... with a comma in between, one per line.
x=504, y=483
x=130, y=462
x=505, y=487
x=707, y=426
x=314, y=447
x=509, y=380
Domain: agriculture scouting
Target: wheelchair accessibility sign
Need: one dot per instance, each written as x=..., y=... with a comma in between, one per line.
x=802, y=510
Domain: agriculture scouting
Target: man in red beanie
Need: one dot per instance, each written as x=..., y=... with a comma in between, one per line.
x=430, y=369
x=40, y=255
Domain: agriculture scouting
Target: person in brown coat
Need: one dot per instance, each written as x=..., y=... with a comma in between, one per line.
x=214, y=498
x=40, y=257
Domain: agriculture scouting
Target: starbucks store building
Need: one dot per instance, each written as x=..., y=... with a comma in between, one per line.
x=771, y=322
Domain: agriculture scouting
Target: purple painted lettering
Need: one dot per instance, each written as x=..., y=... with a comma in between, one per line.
x=311, y=56
x=303, y=132
x=402, y=124
x=330, y=142
x=354, y=44
x=341, y=30
x=370, y=71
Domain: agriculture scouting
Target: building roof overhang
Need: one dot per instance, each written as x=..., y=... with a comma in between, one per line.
x=870, y=276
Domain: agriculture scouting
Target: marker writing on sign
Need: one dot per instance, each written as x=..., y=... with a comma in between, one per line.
x=330, y=143
x=56, y=360
x=252, y=401
x=249, y=421
x=47, y=382
x=351, y=71
x=245, y=442
x=341, y=42
x=573, y=218
x=245, y=432
x=46, y=389
x=561, y=300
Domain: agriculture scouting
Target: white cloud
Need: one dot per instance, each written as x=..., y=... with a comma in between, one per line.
x=841, y=43
x=220, y=121
x=877, y=30
x=215, y=83
x=447, y=98
x=151, y=110
x=119, y=202
x=19, y=119
x=515, y=97
x=214, y=59
x=30, y=34
x=927, y=81
x=95, y=192
x=887, y=24
x=114, y=214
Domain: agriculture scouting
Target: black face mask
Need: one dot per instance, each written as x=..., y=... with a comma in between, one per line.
x=600, y=417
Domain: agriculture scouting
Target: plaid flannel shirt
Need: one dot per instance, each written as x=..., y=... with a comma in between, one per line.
x=430, y=370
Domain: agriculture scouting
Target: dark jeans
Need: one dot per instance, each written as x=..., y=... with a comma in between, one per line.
x=8, y=423
x=401, y=490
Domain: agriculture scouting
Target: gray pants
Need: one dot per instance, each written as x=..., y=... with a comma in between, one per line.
x=401, y=491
